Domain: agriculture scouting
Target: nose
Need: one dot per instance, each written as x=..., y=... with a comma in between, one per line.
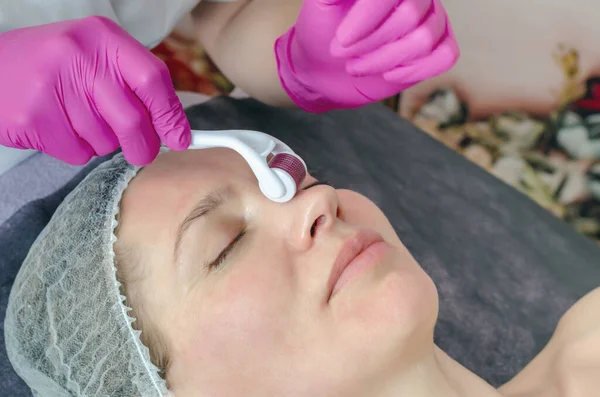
x=315, y=211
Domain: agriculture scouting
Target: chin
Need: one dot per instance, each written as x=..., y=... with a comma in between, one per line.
x=392, y=308
x=405, y=296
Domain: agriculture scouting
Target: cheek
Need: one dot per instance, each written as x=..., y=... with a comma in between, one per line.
x=242, y=314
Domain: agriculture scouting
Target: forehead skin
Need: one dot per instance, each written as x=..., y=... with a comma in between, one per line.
x=163, y=193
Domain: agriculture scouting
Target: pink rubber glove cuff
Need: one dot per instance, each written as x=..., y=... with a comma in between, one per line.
x=298, y=91
x=349, y=53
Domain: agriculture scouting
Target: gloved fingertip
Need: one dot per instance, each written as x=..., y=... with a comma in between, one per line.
x=107, y=149
x=179, y=138
x=136, y=160
x=77, y=161
x=357, y=68
x=394, y=75
x=345, y=36
x=184, y=141
x=406, y=78
x=351, y=30
x=80, y=155
x=142, y=156
x=336, y=49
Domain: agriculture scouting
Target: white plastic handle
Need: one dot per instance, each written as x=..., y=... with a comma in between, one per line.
x=254, y=147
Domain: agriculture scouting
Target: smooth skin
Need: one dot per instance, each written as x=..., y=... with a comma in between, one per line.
x=260, y=322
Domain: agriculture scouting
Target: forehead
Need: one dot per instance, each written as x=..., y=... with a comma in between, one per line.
x=206, y=163
x=191, y=172
x=160, y=196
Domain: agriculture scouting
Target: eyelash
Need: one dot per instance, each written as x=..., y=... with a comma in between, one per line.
x=318, y=183
x=223, y=255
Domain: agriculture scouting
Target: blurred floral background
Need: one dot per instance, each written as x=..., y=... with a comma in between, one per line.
x=190, y=67
x=555, y=160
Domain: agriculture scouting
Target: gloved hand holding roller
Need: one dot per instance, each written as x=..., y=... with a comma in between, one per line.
x=83, y=87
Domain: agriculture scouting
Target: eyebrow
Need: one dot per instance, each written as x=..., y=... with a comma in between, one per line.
x=210, y=203
x=203, y=207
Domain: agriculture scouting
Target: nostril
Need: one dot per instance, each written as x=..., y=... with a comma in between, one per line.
x=319, y=221
x=313, y=228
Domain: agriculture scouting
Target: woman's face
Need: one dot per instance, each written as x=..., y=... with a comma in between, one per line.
x=241, y=287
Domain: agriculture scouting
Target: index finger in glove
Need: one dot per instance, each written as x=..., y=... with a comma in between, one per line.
x=363, y=19
x=323, y=16
x=440, y=61
x=417, y=44
x=404, y=19
x=129, y=120
x=149, y=78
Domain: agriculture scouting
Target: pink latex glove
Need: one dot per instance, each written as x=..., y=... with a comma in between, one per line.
x=348, y=53
x=84, y=87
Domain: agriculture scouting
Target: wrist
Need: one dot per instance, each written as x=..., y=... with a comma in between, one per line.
x=296, y=82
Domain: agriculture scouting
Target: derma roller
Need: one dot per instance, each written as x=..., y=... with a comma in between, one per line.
x=279, y=170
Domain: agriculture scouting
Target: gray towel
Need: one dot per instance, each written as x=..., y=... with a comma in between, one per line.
x=506, y=269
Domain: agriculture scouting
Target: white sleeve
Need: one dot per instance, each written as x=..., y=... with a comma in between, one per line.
x=149, y=21
x=16, y=14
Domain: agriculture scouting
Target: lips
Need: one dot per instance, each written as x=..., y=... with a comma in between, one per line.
x=353, y=249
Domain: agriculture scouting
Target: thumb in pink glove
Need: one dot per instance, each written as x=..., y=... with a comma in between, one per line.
x=84, y=87
x=348, y=53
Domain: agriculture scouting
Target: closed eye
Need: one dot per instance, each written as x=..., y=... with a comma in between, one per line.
x=226, y=251
x=317, y=183
x=230, y=247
